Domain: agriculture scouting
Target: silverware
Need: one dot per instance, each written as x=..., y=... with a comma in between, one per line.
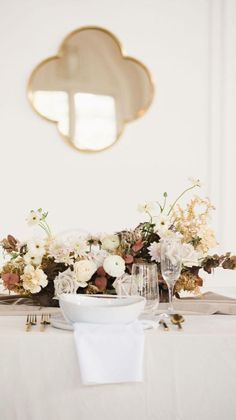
x=28, y=323
x=177, y=319
x=45, y=320
x=164, y=324
x=30, y=320
x=48, y=317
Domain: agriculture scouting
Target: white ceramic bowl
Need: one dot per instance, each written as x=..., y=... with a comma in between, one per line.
x=101, y=309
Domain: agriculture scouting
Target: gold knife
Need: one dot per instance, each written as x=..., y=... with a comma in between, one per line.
x=165, y=326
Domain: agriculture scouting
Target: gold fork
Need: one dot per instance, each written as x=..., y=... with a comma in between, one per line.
x=28, y=323
x=45, y=320
x=30, y=320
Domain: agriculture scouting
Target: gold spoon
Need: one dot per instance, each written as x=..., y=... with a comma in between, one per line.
x=177, y=319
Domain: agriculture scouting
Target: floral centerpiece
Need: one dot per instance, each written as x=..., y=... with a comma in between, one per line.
x=44, y=268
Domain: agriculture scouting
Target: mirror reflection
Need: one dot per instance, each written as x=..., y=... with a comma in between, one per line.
x=91, y=89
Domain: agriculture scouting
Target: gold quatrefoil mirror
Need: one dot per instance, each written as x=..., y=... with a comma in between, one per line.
x=90, y=89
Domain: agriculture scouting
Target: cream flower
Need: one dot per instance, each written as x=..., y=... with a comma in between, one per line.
x=34, y=218
x=60, y=251
x=195, y=182
x=147, y=207
x=110, y=242
x=80, y=246
x=32, y=258
x=34, y=279
x=114, y=265
x=155, y=251
x=65, y=283
x=162, y=224
x=190, y=257
x=84, y=270
x=36, y=246
x=173, y=252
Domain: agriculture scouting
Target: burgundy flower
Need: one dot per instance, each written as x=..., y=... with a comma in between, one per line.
x=128, y=259
x=137, y=246
x=101, y=283
x=10, y=280
x=101, y=271
x=10, y=243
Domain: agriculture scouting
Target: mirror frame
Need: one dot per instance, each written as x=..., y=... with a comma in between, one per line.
x=139, y=114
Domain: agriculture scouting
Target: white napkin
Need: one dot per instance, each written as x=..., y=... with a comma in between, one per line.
x=110, y=353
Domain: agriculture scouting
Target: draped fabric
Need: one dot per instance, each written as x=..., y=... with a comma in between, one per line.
x=189, y=374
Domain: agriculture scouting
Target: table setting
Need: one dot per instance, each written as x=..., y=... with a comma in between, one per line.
x=96, y=325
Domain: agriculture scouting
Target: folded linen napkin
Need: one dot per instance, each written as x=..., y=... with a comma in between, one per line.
x=110, y=353
x=208, y=303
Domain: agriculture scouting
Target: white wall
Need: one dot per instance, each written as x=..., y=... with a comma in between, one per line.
x=189, y=47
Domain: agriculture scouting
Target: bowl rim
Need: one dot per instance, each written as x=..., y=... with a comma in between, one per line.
x=65, y=297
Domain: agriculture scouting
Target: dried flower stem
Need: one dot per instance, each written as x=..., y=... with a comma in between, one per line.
x=181, y=195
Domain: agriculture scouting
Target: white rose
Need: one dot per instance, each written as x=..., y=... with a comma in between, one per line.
x=114, y=265
x=110, y=242
x=84, y=270
x=65, y=283
x=34, y=279
x=171, y=249
x=190, y=257
x=184, y=252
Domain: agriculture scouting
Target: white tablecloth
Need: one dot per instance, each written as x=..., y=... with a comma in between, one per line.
x=189, y=374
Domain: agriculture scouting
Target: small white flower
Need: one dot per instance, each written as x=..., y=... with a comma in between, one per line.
x=65, y=283
x=34, y=279
x=195, y=182
x=36, y=246
x=34, y=218
x=110, y=242
x=148, y=207
x=155, y=251
x=32, y=258
x=114, y=265
x=162, y=224
x=84, y=269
